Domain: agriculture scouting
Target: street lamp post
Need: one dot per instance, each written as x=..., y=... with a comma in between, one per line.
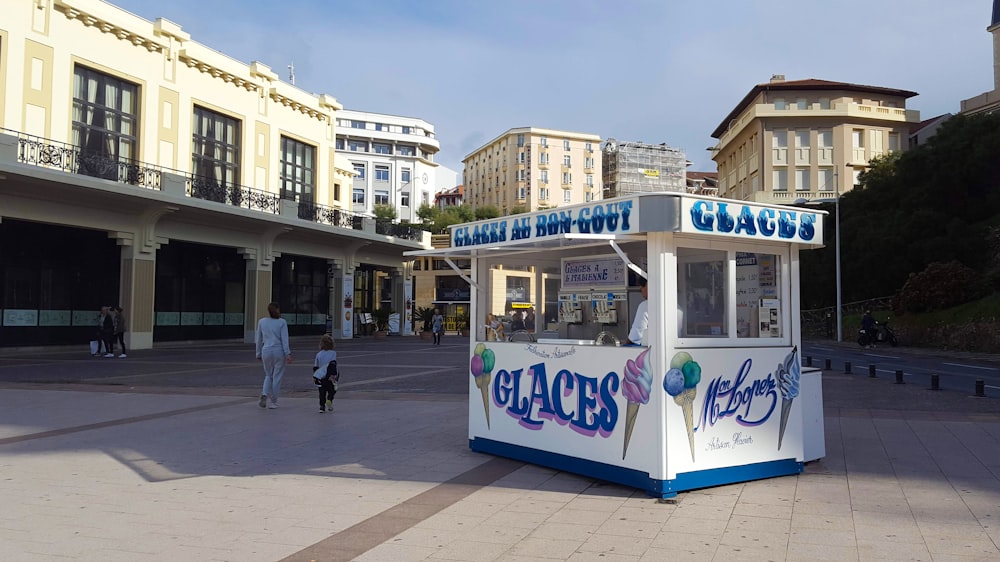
x=836, y=221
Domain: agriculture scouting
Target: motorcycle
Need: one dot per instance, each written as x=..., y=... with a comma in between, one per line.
x=881, y=333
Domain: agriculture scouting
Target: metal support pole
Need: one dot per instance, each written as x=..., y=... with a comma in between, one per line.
x=840, y=312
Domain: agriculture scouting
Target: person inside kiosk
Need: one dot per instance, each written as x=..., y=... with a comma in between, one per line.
x=641, y=321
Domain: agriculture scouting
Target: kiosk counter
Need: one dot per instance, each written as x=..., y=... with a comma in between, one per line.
x=714, y=394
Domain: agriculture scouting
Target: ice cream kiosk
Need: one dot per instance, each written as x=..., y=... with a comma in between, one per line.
x=714, y=394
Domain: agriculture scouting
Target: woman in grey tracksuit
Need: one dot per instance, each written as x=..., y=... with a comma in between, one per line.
x=273, y=352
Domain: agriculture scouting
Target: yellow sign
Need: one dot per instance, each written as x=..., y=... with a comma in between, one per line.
x=521, y=305
x=651, y=173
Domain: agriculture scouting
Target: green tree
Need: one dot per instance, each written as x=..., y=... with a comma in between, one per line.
x=933, y=203
x=385, y=212
x=486, y=212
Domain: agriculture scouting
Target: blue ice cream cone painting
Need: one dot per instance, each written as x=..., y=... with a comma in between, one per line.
x=788, y=373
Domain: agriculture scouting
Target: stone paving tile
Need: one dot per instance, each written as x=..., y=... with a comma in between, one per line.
x=582, y=516
x=745, y=553
x=613, y=544
x=681, y=524
x=657, y=513
x=470, y=551
x=564, y=531
x=802, y=552
x=828, y=537
x=687, y=542
x=822, y=522
x=630, y=528
x=705, y=554
x=879, y=551
x=430, y=538
x=533, y=547
x=762, y=510
x=757, y=538
x=751, y=523
x=396, y=553
x=497, y=535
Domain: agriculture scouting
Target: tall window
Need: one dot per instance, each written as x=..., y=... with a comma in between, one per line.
x=404, y=150
x=544, y=176
x=357, y=146
x=567, y=196
x=565, y=144
x=520, y=140
x=544, y=141
x=780, y=179
x=381, y=148
x=216, y=151
x=382, y=173
x=105, y=121
x=359, y=169
x=405, y=176
x=359, y=196
x=406, y=130
x=298, y=170
x=357, y=124
x=567, y=161
x=826, y=179
x=381, y=197
x=802, y=179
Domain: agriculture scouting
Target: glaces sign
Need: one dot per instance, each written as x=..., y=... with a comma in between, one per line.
x=614, y=217
x=750, y=221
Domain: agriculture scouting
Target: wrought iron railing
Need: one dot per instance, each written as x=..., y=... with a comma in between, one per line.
x=399, y=230
x=47, y=153
x=322, y=214
x=210, y=189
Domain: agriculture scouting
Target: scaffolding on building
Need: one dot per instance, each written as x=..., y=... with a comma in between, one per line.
x=635, y=167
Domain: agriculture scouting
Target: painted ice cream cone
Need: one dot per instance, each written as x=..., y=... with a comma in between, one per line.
x=480, y=366
x=686, y=401
x=483, y=383
x=681, y=382
x=788, y=373
x=786, y=408
x=637, y=383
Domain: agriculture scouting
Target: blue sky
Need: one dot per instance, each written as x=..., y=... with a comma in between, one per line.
x=643, y=70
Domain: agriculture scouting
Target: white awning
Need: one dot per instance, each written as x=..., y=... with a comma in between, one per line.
x=566, y=240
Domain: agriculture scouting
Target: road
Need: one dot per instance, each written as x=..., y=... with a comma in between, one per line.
x=957, y=371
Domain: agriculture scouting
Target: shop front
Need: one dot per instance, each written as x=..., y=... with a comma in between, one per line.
x=713, y=394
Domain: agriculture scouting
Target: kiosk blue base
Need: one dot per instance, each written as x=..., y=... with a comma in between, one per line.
x=628, y=477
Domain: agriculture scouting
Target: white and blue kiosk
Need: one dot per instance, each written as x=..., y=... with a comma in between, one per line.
x=714, y=394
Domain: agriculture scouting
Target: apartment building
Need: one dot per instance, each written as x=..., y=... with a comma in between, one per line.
x=988, y=102
x=529, y=168
x=393, y=161
x=630, y=168
x=143, y=169
x=807, y=139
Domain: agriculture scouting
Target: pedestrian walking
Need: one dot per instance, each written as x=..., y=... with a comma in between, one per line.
x=325, y=374
x=272, y=350
x=437, y=326
x=120, y=329
x=107, y=330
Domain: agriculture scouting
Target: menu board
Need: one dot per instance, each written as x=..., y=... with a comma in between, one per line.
x=596, y=272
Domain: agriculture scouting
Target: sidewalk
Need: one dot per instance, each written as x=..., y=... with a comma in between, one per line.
x=156, y=469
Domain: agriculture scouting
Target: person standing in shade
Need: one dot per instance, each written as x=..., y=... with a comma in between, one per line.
x=107, y=327
x=641, y=321
x=437, y=326
x=273, y=351
x=120, y=329
x=529, y=320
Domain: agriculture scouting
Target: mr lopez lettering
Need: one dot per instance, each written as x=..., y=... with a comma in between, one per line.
x=532, y=399
x=706, y=218
x=751, y=403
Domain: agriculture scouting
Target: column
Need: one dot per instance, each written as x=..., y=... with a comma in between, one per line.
x=334, y=285
x=137, y=292
x=257, y=294
x=345, y=299
x=408, y=305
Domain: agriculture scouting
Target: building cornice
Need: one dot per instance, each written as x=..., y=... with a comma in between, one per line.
x=106, y=23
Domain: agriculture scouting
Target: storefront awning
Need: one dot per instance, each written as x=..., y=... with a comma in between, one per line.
x=567, y=240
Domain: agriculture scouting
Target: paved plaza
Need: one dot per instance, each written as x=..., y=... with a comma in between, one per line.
x=166, y=456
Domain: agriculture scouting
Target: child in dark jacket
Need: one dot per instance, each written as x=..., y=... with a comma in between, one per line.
x=325, y=374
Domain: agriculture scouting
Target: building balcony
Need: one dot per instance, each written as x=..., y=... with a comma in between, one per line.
x=134, y=174
x=845, y=112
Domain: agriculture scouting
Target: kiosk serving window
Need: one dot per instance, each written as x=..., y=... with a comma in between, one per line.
x=758, y=295
x=702, y=295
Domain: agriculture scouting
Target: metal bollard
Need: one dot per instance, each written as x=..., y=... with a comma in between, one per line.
x=980, y=388
x=826, y=364
x=847, y=367
x=899, y=377
x=809, y=360
x=935, y=382
x=871, y=371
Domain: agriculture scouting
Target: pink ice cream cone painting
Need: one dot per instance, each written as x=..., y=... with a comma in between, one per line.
x=636, y=386
x=481, y=366
x=788, y=373
x=681, y=382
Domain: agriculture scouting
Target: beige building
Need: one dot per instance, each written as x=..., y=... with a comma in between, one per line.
x=807, y=139
x=530, y=169
x=989, y=102
x=141, y=168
